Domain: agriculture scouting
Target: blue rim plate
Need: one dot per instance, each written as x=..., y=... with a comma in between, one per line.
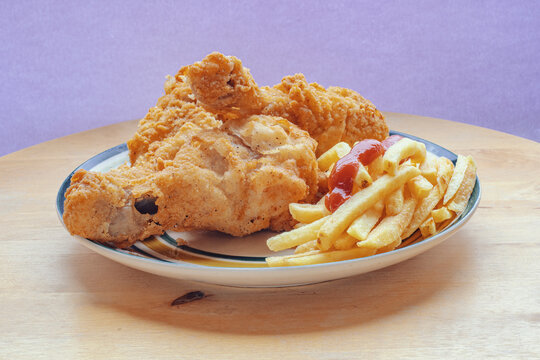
x=217, y=258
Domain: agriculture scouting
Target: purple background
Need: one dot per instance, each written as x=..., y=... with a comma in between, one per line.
x=70, y=66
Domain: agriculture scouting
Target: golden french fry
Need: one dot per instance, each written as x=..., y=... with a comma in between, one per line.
x=427, y=204
x=460, y=200
x=344, y=242
x=390, y=228
x=407, y=162
x=361, y=227
x=308, y=213
x=427, y=228
x=445, y=169
x=356, y=205
x=295, y=237
x=342, y=149
x=394, y=201
x=419, y=186
x=428, y=168
x=281, y=260
x=318, y=257
x=403, y=149
x=439, y=215
x=424, y=208
x=362, y=179
x=389, y=247
x=457, y=178
x=332, y=155
x=429, y=161
x=305, y=247
x=430, y=174
x=329, y=171
x=376, y=168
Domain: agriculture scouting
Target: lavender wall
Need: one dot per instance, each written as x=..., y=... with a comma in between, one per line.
x=69, y=66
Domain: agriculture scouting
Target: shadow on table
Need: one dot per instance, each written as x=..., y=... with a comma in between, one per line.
x=335, y=304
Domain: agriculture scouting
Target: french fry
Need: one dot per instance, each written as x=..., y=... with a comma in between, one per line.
x=424, y=208
x=356, y=205
x=403, y=149
x=362, y=179
x=308, y=213
x=445, y=169
x=332, y=155
x=305, y=247
x=460, y=200
x=344, y=242
x=329, y=171
x=457, y=178
x=430, y=175
x=390, y=228
x=376, y=168
x=281, y=260
x=361, y=227
x=428, y=168
x=408, y=187
x=427, y=228
x=408, y=162
x=318, y=257
x=342, y=149
x=295, y=237
x=394, y=202
x=439, y=215
x=419, y=186
x=430, y=160
x=389, y=247
x=427, y=204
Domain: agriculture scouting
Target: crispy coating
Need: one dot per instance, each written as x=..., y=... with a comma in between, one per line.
x=217, y=152
x=222, y=85
x=237, y=178
x=172, y=110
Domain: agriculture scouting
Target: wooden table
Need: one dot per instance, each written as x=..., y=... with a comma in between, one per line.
x=476, y=295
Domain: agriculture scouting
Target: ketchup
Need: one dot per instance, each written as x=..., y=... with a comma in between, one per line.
x=391, y=140
x=341, y=178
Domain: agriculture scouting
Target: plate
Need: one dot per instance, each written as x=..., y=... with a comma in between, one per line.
x=217, y=258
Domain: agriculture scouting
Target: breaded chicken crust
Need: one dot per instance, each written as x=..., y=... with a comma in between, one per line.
x=217, y=152
x=237, y=178
x=223, y=86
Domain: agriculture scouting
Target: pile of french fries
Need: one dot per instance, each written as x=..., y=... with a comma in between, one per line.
x=404, y=190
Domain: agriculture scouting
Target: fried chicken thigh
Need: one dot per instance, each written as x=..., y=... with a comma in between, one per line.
x=218, y=152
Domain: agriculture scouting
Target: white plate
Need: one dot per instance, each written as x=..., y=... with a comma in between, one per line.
x=217, y=258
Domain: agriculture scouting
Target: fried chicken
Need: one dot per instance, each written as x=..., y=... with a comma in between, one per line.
x=223, y=86
x=218, y=152
x=237, y=178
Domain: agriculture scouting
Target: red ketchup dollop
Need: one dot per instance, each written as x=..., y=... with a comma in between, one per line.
x=341, y=179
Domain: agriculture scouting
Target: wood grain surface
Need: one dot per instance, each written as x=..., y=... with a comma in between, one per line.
x=477, y=295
